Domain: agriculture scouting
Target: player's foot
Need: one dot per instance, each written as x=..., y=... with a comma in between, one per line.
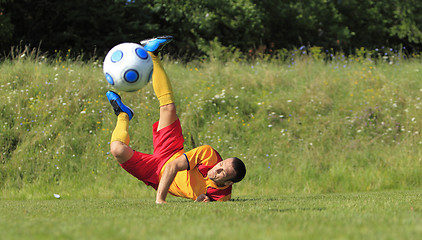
x=155, y=45
x=118, y=106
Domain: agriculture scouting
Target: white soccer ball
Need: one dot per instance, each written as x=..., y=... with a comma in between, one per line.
x=128, y=67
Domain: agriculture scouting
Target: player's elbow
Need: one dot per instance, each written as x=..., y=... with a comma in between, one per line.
x=170, y=170
x=173, y=167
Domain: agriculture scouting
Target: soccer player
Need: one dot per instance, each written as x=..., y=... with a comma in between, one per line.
x=199, y=174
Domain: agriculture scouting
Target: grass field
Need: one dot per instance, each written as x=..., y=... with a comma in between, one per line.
x=333, y=148
x=376, y=215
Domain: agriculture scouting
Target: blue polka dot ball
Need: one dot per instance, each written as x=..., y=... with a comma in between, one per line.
x=128, y=67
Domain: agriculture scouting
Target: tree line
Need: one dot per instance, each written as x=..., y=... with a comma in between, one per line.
x=94, y=26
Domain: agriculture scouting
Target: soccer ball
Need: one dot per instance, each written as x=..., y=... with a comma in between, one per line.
x=128, y=67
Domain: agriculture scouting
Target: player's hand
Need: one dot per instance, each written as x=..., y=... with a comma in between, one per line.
x=203, y=198
x=160, y=202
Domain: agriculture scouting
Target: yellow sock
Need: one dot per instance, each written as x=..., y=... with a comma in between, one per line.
x=121, y=133
x=161, y=83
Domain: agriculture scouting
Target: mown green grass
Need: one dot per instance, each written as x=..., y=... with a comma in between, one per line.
x=375, y=215
x=333, y=149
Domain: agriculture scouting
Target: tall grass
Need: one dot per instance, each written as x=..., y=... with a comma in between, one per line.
x=305, y=122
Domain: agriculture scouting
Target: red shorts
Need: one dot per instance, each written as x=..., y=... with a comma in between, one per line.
x=147, y=167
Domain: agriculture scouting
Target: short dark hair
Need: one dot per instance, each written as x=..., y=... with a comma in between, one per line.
x=240, y=170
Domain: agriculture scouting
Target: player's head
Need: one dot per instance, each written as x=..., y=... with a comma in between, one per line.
x=227, y=172
x=240, y=169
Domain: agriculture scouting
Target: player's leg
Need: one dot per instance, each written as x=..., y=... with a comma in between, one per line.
x=160, y=81
x=163, y=90
x=120, y=137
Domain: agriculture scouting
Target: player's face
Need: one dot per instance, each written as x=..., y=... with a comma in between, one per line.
x=222, y=172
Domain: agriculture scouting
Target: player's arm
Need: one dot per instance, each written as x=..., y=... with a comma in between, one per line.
x=178, y=164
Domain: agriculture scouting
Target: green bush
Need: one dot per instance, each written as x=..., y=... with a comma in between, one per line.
x=248, y=26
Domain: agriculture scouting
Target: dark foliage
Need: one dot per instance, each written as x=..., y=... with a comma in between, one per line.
x=92, y=27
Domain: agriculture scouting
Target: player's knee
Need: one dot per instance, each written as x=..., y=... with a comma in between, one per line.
x=169, y=108
x=117, y=149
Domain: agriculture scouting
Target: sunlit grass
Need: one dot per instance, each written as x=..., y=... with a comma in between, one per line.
x=374, y=215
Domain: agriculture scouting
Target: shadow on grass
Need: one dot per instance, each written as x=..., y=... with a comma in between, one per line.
x=256, y=199
x=297, y=209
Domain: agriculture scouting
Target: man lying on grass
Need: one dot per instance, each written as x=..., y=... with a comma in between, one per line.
x=199, y=174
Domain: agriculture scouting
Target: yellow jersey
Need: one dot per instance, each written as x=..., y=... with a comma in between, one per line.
x=193, y=182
